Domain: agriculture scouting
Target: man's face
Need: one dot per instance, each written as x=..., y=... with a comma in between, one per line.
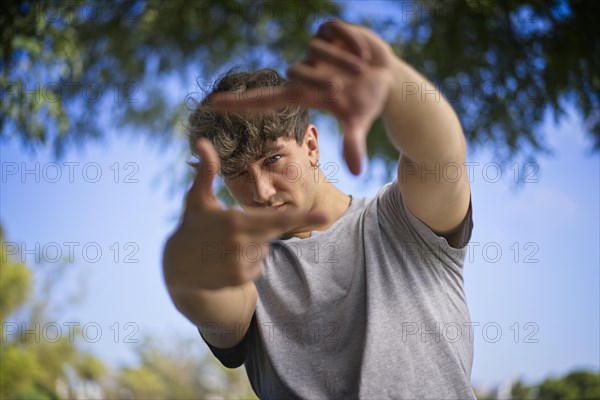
x=282, y=179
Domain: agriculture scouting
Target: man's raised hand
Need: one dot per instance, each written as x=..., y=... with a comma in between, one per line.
x=348, y=72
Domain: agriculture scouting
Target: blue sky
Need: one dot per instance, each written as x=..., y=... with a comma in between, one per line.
x=541, y=291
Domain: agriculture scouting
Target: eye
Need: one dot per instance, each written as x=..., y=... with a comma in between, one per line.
x=273, y=159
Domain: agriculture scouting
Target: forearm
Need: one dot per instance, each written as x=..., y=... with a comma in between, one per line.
x=420, y=123
x=222, y=315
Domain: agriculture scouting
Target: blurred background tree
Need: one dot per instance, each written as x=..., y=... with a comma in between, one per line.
x=580, y=385
x=576, y=385
x=39, y=361
x=503, y=65
x=63, y=63
x=36, y=359
x=179, y=374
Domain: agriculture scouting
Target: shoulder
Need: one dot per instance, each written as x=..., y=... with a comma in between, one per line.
x=392, y=210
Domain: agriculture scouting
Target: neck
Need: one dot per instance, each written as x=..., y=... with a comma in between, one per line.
x=330, y=201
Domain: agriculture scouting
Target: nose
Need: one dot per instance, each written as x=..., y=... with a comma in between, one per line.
x=263, y=188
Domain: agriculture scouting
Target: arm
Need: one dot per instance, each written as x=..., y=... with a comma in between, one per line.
x=431, y=171
x=215, y=296
x=223, y=316
x=368, y=80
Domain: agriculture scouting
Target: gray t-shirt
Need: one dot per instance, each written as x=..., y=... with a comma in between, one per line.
x=374, y=307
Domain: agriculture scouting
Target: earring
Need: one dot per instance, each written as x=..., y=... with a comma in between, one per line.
x=315, y=165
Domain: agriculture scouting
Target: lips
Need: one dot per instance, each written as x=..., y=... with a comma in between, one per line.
x=278, y=207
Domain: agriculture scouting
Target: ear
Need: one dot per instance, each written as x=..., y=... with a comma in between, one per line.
x=311, y=142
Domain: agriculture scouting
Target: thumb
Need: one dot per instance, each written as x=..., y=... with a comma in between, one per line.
x=201, y=193
x=354, y=146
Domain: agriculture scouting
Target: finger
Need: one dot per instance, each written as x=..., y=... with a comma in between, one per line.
x=268, y=98
x=339, y=32
x=354, y=146
x=312, y=77
x=201, y=193
x=270, y=225
x=319, y=49
x=255, y=99
x=318, y=89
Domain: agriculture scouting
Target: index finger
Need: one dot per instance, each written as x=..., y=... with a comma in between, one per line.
x=345, y=34
x=310, y=93
x=262, y=98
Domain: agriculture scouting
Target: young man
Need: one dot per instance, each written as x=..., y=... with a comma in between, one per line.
x=321, y=295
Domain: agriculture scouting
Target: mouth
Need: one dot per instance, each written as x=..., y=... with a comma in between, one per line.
x=278, y=207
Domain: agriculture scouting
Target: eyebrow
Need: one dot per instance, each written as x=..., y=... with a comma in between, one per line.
x=270, y=150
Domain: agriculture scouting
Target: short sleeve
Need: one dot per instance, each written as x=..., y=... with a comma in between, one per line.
x=394, y=213
x=461, y=235
x=233, y=357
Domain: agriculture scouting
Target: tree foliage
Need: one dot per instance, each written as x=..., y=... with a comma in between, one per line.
x=30, y=365
x=65, y=62
x=15, y=283
x=34, y=365
x=179, y=374
x=581, y=385
x=501, y=64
